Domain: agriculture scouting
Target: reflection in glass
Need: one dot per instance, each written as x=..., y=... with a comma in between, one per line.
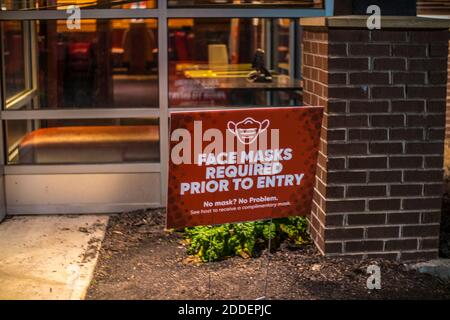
x=15, y=5
x=104, y=64
x=16, y=130
x=14, y=58
x=82, y=141
x=433, y=7
x=246, y=3
x=221, y=62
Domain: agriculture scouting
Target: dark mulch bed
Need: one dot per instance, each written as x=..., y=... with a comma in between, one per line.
x=140, y=261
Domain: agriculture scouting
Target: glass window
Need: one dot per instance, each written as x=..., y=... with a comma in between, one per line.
x=104, y=64
x=14, y=57
x=246, y=3
x=231, y=62
x=281, y=54
x=15, y=4
x=91, y=141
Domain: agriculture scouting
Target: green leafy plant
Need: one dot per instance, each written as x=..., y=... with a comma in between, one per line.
x=212, y=243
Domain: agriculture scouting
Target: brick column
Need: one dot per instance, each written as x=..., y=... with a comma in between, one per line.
x=380, y=170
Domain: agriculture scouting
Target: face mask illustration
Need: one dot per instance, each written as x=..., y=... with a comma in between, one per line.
x=248, y=130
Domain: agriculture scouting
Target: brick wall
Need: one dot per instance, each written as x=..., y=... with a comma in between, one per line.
x=379, y=178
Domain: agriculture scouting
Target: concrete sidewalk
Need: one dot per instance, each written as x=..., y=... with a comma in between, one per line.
x=49, y=257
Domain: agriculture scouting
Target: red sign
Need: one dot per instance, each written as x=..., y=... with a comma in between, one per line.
x=242, y=164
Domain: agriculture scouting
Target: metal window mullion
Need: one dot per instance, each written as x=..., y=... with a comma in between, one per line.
x=79, y=114
x=2, y=99
x=20, y=100
x=163, y=72
x=33, y=56
x=85, y=14
x=244, y=13
x=216, y=108
x=140, y=167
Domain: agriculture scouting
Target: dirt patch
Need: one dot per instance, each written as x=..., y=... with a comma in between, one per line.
x=139, y=260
